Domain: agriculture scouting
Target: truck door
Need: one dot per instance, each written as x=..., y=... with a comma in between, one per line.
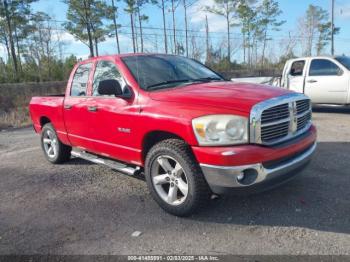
x=326, y=82
x=76, y=103
x=114, y=116
x=296, y=76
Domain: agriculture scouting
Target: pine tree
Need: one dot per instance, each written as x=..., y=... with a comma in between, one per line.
x=226, y=9
x=269, y=12
x=84, y=22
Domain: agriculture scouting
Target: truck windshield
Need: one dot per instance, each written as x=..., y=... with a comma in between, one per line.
x=344, y=60
x=163, y=71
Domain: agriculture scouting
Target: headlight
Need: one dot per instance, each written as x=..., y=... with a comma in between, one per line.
x=213, y=130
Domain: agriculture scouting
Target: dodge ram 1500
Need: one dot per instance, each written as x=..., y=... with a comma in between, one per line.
x=182, y=126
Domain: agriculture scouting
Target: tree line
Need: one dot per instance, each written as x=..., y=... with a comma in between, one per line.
x=35, y=52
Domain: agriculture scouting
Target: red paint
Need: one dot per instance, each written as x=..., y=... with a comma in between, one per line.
x=170, y=110
x=250, y=154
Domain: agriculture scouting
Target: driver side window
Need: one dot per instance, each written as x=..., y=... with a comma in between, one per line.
x=297, y=68
x=106, y=70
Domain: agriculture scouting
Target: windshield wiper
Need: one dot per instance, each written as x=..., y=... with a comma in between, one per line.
x=203, y=79
x=155, y=86
x=208, y=79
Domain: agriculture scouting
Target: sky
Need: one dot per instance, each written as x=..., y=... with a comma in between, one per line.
x=292, y=11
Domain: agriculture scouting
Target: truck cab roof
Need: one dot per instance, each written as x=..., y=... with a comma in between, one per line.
x=315, y=57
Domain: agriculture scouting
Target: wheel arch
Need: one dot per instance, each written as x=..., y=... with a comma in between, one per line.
x=61, y=133
x=44, y=120
x=154, y=137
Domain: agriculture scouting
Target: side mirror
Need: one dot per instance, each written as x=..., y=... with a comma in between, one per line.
x=110, y=87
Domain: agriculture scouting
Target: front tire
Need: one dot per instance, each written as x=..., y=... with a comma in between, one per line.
x=54, y=150
x=174, y=178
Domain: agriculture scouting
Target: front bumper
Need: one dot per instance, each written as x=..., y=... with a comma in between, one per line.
x=257, y=177
x=263, y=167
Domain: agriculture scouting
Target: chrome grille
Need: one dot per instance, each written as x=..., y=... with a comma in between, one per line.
x=303, y=120
x=279, y=119
x=274, y=131
x=275, y=113
x=303, y=105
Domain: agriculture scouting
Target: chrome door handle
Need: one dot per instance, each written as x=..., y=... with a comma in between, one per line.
x=312, y=81
x=92, y=108
x=67, y=107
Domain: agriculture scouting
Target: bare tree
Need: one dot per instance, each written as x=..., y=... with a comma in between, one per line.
x=288, y=44
x=314, y=25
x=186, y=27
x=10, y=35
x=227, y=9
x=208, y=51
x=114, y=15
x=130, y=9
x=269, y=11
x=142, y=18
x=248, y=16
x=162, y=5
x=173, y=9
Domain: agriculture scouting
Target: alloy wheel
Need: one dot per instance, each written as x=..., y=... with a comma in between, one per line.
x=169, y=180
x=50, y=143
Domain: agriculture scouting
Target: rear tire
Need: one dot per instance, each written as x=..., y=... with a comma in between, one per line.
x=54, y=150
x=175, y=179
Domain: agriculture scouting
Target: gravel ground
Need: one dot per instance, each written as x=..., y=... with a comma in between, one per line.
x=81, y=208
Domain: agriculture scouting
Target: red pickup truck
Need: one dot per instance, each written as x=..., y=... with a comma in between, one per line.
x=179, y=124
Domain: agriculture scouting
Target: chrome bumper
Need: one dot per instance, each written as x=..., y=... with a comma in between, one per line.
x=224, y=178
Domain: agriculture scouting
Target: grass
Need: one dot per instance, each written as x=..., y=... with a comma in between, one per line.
x=15, y=118
x=15, y=98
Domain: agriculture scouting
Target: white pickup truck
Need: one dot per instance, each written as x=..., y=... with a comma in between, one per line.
x=325, y=79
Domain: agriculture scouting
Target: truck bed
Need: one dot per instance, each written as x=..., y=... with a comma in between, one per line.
x=52, y=108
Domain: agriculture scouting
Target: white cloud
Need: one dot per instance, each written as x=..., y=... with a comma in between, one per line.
x=197, y=16
x=83, y=57
x=109, y=46
x=59, y=35
x=149, y=46
x=343, y=11
x=111, y=39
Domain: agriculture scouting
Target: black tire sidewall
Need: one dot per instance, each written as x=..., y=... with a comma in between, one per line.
x=184, y=208
x=59, y=147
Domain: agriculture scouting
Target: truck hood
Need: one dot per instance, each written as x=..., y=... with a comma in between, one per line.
x=236, y=96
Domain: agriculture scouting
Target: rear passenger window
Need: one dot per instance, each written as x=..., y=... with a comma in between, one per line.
x=80, y=80
x=324, y=67
x=297, y=68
